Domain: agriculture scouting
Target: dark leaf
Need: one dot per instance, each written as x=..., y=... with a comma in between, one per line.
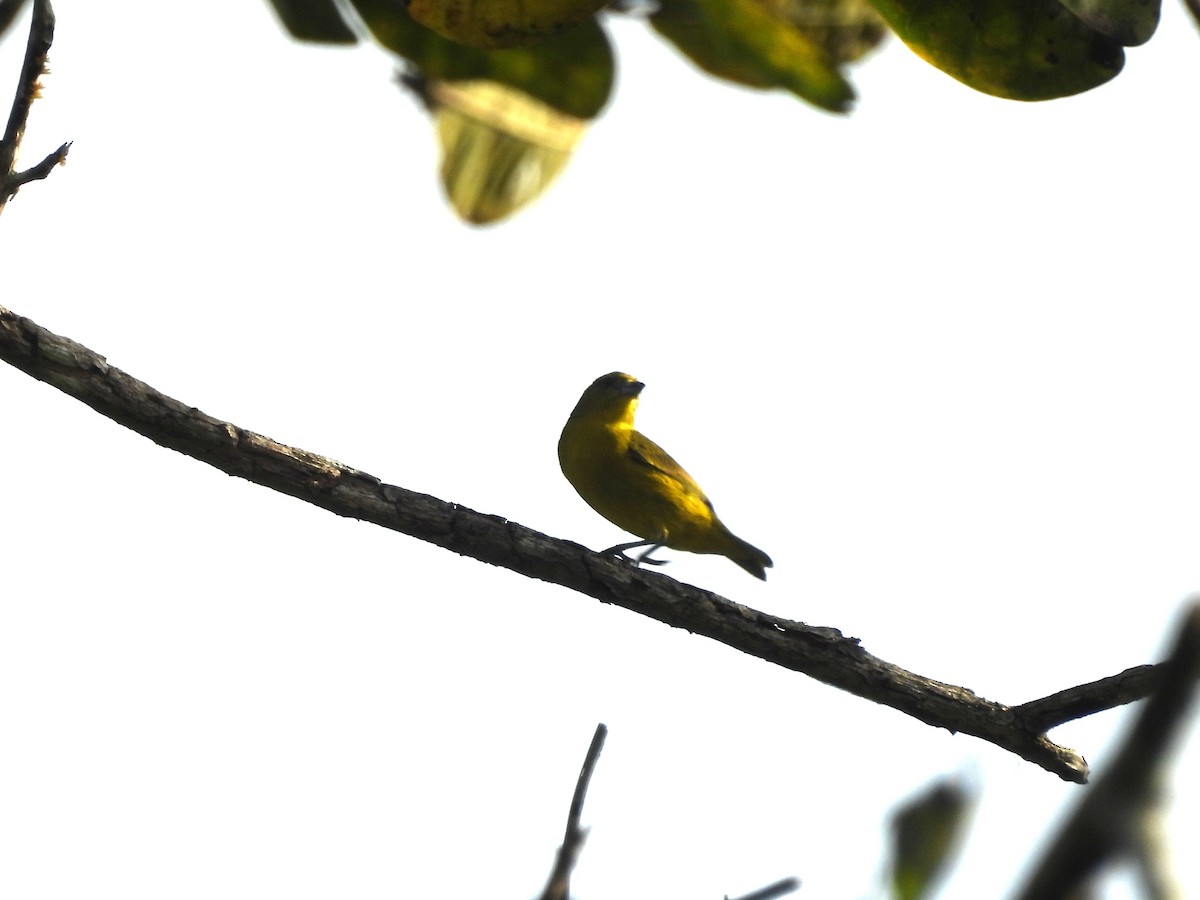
x=751, y=43
x=925, y=835
x=572, y=73
x=313, y=20
x=1027, y=50
x=9, y=10
x=492, y=24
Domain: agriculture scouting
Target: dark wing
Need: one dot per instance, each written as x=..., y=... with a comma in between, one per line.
x=644, y=452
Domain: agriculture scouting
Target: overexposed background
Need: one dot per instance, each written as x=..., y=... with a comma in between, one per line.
x=936, y=358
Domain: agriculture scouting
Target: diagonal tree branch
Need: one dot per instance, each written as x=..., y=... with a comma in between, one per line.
x=821, y=653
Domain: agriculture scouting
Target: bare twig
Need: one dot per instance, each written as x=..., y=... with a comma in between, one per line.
x=559, y=885
x=780, y=888
x=1113, y=819
x=821, y=653
x=41, y=36
x=1085, y=699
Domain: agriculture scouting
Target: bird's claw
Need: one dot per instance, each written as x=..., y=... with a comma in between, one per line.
x=643, y=557
x=649, y=560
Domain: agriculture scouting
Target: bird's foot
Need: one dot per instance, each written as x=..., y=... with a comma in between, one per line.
x=646, y=558
x=643, y=557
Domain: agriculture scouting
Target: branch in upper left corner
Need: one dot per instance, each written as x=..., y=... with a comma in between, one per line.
x=41, y=36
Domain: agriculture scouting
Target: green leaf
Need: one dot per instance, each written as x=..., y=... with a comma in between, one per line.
x=1019, y=49
x=926, y=832
x=1128, y=22
x=573, y=73
x=748, y=42
x=314, y=20
x=492, y=24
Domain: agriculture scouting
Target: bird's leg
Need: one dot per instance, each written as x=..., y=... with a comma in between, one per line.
x=643, y=557
x=620, y=549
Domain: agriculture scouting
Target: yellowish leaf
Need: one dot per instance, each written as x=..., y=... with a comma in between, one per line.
x=500, y=147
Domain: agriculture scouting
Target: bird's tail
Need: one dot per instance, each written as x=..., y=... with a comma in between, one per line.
x=749, y=557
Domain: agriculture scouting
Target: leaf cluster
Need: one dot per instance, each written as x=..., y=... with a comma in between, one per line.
x=512, y=84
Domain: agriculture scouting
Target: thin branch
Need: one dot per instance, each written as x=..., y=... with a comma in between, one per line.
x=1087, y=699
x=559, y=885
x=821, y=653
x=16, y=180
x=574, y=833
x=1110, y=821
x=780, y=888
x=41, y=36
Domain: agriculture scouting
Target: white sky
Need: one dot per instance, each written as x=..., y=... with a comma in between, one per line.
x=937, y=358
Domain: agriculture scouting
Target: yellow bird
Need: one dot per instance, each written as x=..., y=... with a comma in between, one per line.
x=633, y=483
